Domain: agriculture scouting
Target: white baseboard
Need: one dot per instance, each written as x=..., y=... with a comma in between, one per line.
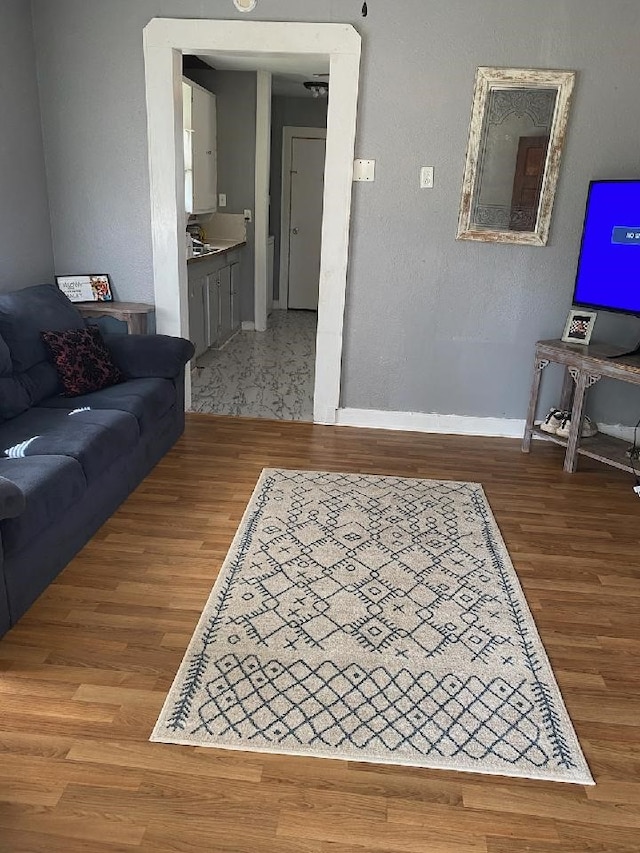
x=453, y=424
x=426, y=422
x=618, y=431
x=248, y=326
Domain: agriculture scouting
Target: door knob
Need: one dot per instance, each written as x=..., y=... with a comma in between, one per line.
x=294, y=230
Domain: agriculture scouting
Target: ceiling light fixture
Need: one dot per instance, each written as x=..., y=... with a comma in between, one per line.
x=317, y=88
x=245, y=5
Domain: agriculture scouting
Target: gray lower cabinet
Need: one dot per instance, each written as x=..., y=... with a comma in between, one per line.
x=198, y=326
x=224, y=279
x=213, y=310
x=235, y=296
x=214, y=300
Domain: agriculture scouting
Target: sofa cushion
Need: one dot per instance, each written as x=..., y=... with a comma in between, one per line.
x=12, y=501
x=50, y=485
x=147, y=399
x=14, y=397
x=82, y=360
x=23, y=315
x=26, y=313
x=139, y=356
x=96, y=438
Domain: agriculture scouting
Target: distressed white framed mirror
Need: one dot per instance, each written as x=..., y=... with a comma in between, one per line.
x=516, y=136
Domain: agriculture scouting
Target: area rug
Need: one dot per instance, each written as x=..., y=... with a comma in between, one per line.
x=373, y=619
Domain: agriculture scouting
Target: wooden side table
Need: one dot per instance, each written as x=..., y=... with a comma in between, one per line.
x=134, y=314
x=585, y=365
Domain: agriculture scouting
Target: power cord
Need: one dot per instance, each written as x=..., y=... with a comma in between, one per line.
x=634, y=453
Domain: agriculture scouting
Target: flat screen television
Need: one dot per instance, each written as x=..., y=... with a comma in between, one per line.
x=608, y=276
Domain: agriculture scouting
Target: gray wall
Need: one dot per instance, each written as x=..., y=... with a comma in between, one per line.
x=431, y=324
x=287, y=112
x=26, y=255
x=235, y=93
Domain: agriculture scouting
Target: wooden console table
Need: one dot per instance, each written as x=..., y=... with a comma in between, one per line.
x=585, y=365
x=134, y=314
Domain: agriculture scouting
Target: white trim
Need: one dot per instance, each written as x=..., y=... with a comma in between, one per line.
x=164, y=40
x=289, y=133
x=248, y=326
x=261, y=219
x=454, y=424
x=166, y=169
x=431, y=422
x=625, y=433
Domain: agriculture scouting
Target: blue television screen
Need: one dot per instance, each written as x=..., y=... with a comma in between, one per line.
x=608, y=274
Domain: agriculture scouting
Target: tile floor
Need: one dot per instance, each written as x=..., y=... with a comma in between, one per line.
x=261, y=374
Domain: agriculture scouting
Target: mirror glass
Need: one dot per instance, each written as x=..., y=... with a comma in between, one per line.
x=518, y=125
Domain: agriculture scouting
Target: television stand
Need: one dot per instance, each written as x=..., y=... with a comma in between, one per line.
x=585, y=365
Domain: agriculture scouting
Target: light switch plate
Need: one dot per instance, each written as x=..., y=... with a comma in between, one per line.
x=222, y=200
x=426, y=177
x=364, y=170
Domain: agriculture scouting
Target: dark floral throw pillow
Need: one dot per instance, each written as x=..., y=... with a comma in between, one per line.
x=83, y=362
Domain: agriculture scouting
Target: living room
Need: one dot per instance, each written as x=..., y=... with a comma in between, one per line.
x=439, y=336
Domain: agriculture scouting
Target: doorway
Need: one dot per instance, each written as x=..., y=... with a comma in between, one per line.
x=269, y=372
x=165, y=40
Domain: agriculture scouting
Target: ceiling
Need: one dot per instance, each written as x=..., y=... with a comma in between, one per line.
x=289, y=70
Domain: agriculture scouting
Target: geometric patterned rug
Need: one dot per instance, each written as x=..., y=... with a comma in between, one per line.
x=374, y=619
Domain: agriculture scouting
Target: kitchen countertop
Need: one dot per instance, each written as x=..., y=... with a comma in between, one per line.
x=222, y=246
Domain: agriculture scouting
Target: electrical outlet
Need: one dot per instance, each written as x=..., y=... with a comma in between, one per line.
x=248, y=216
x=222, y=200
x=364, y=170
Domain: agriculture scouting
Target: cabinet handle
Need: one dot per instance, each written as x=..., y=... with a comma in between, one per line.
x=294, y=230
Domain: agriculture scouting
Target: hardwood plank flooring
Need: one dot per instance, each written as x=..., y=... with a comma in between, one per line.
x=85, y=672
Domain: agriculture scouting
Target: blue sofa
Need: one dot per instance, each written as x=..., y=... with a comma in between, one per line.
x=66, y=463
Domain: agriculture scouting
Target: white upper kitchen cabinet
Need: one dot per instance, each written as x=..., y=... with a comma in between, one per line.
x=200, y=157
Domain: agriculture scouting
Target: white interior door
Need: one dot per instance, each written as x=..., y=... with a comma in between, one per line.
x=305, y=221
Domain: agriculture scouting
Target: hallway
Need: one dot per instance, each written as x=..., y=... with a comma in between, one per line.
x=261, y=374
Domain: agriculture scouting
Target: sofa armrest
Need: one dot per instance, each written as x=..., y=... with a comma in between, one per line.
x=142, y=356
x=12, y=499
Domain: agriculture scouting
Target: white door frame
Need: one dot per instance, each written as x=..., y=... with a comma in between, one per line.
x=288, y=135
x=164, y=42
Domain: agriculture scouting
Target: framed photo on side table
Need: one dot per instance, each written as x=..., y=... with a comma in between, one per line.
x=85, y=288
x=579, y=326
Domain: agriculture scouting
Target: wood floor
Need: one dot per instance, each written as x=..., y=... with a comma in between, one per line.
x=85, y=672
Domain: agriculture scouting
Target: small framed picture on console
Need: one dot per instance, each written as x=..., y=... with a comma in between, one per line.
x=579, y=326
x=85, y=288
